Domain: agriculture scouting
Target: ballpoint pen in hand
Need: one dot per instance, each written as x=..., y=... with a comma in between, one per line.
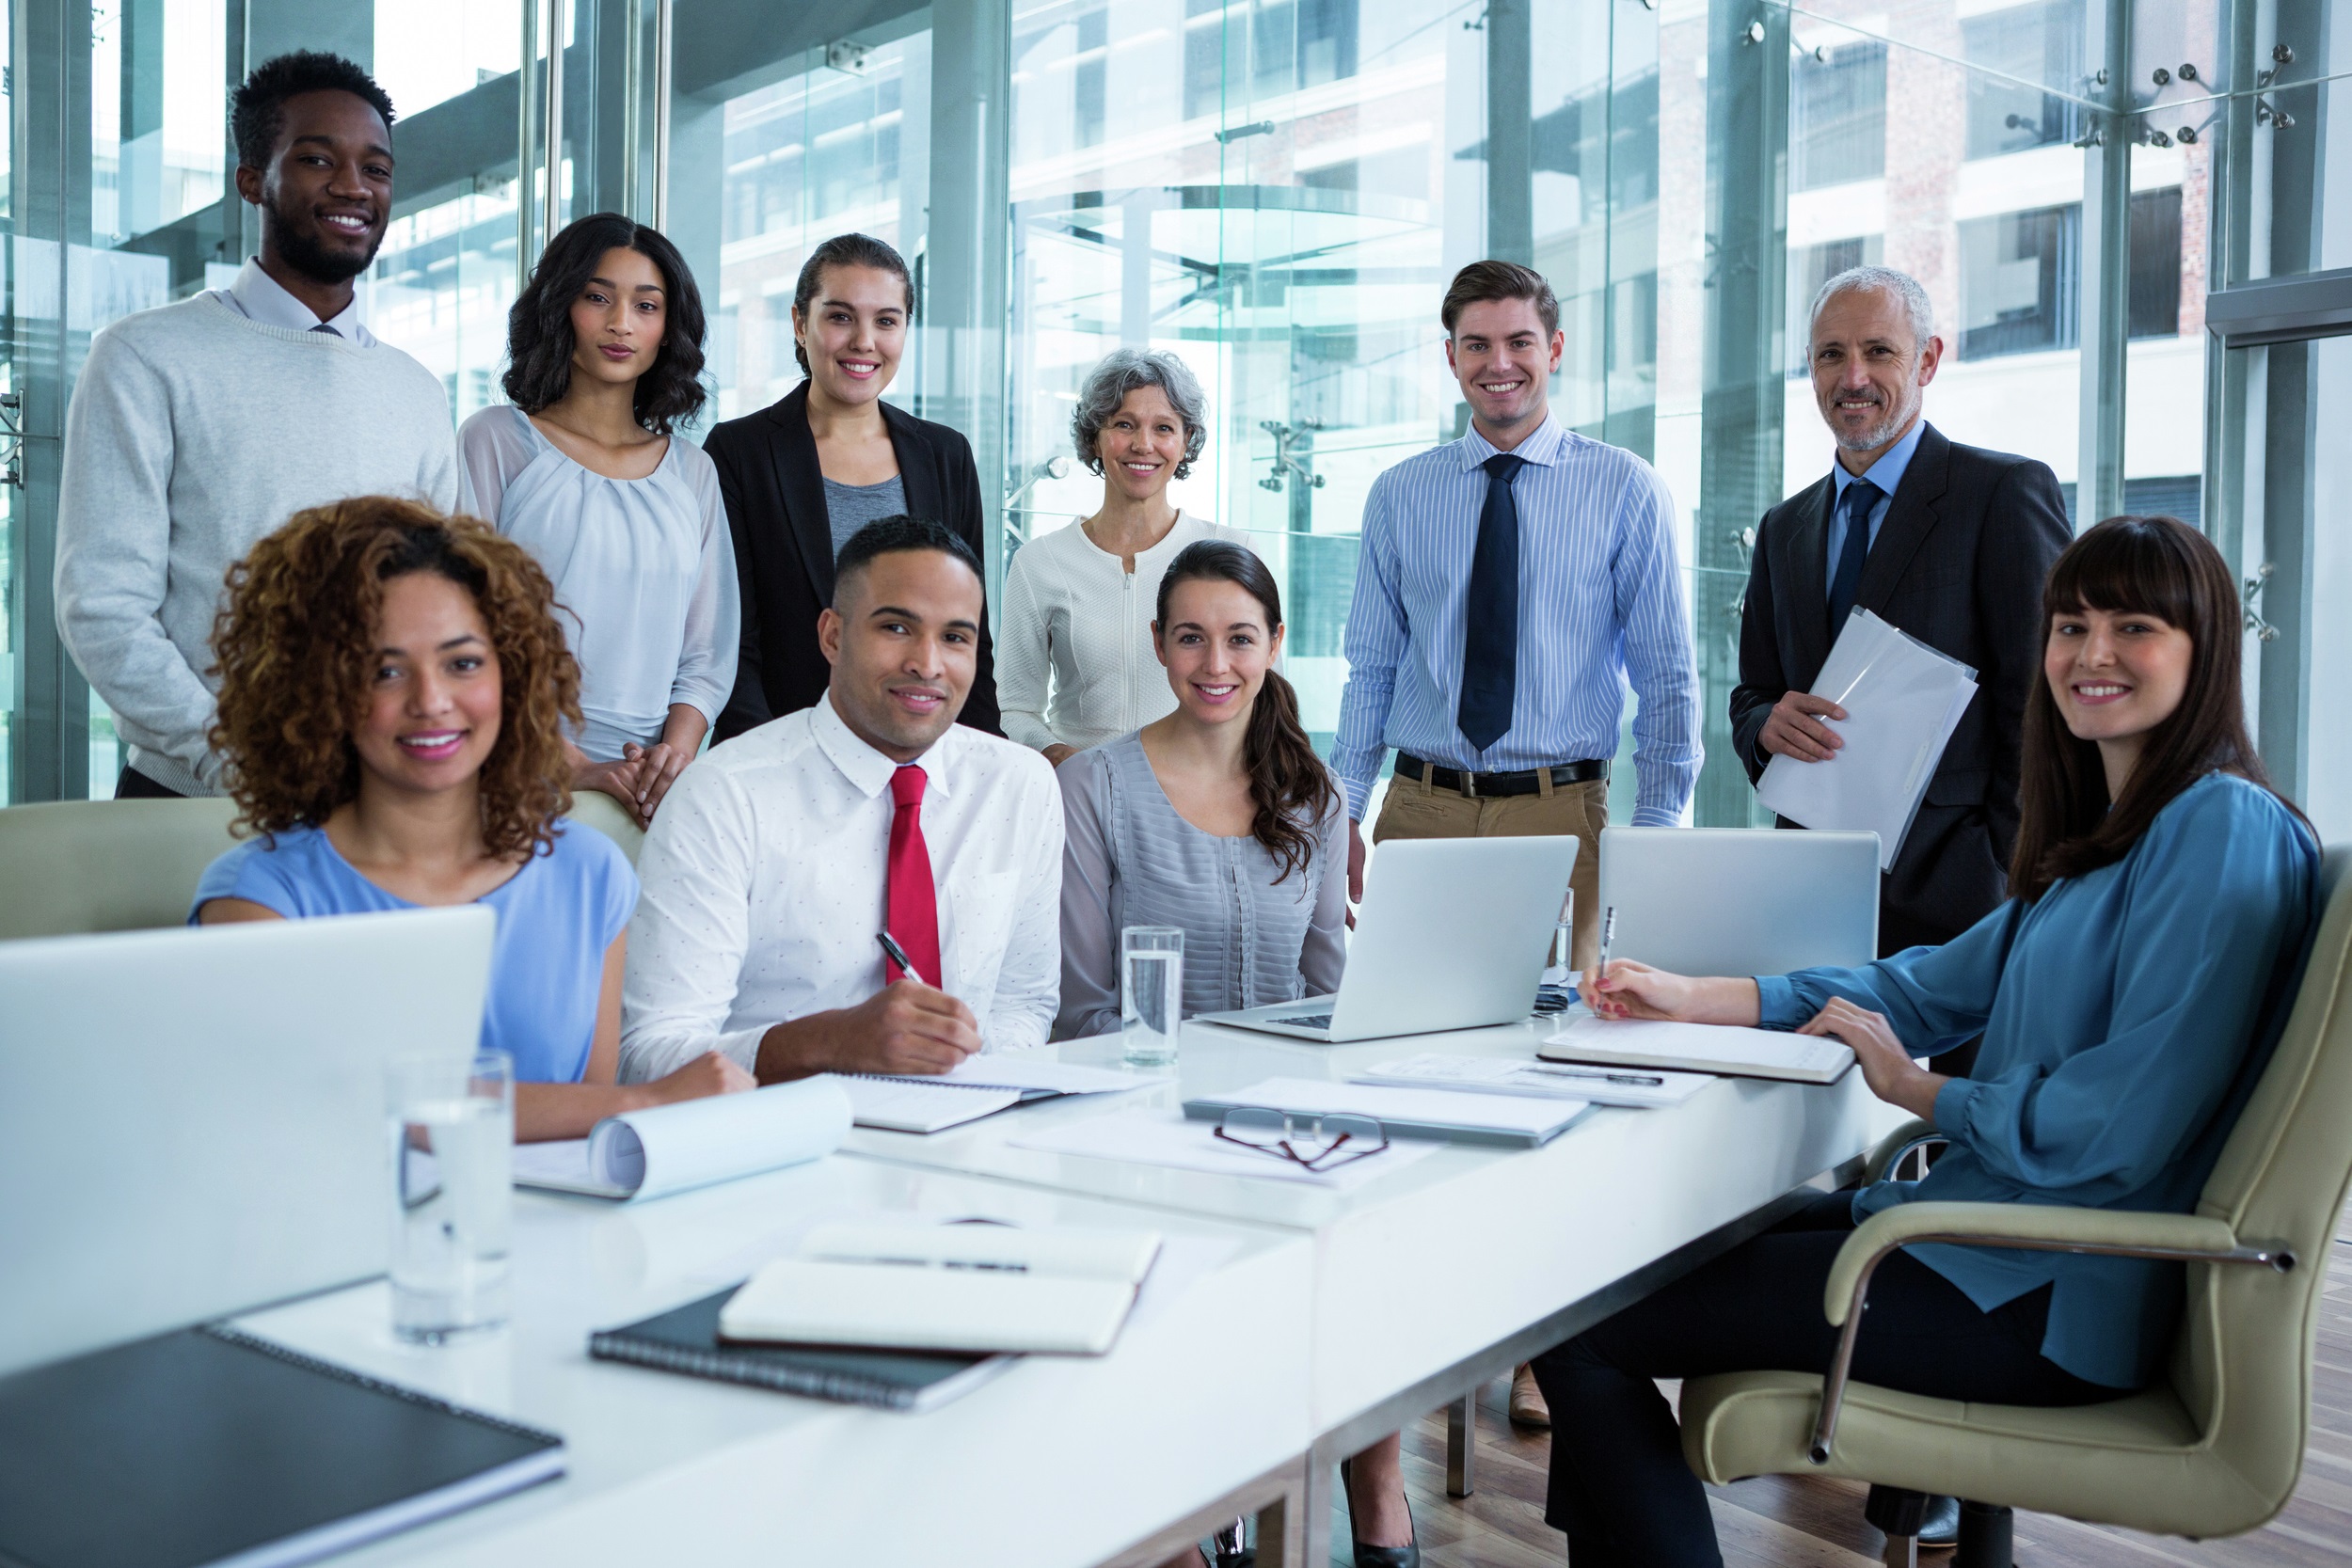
x=1600, y=969
x=899, y=955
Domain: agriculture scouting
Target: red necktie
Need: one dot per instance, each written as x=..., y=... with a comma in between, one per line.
x=913, y=901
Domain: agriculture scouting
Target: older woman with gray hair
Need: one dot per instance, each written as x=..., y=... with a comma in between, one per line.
x=1075, y=666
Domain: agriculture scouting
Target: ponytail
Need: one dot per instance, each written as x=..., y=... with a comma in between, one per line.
x=1288, y=783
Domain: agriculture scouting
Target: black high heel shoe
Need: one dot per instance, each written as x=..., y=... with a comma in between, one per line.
x=1379, y=1556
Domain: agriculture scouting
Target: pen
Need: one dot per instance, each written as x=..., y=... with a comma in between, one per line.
x=1608, y=935
x=899, y=955
x=1637, y=1079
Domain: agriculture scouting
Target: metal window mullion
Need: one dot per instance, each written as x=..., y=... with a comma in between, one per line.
x=2106, y=278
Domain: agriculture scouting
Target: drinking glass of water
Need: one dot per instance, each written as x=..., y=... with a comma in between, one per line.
x=1151, y=992
x=452, y=1129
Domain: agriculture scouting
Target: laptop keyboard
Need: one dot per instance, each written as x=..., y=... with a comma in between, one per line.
x=1305, y=1020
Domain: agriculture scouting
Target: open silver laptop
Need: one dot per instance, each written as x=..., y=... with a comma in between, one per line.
x=192, y=1122
x=1451, y=935
x=1740, y=900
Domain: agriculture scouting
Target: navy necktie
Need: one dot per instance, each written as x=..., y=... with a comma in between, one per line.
x=1491, y=611
x=1845, y=580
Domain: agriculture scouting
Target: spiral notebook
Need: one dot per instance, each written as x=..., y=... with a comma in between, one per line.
x=687, y=1340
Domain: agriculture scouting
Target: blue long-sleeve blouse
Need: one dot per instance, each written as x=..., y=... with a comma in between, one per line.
x=2126, y=1015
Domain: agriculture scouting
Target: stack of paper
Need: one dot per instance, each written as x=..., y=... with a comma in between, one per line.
x=978, y=1086
x=1902, y=701
x=1540, y=1079
x=693, y=1144
x=964, y=1288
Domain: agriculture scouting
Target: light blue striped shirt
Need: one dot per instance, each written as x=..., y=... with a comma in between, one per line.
x=1600, y=598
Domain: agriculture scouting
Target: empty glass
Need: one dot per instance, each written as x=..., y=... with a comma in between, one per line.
x=1151, y=992
x=452, y=1129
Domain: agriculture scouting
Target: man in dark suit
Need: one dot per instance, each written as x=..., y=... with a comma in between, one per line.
x=1948, y=543
x=850, y=314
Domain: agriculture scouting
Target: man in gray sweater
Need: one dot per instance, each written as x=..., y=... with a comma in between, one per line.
x=197, y=428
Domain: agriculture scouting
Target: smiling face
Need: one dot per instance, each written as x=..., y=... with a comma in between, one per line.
x=432, y=694
x=853, y=332
x=1503, y=360
x=1869, y=372
x=2116, y=674
x=903, y=636
x=1218, y=648
x=1141, y=443
x=620, y=318
x=328, y=192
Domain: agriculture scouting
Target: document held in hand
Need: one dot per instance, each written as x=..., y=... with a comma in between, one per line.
x=1902, y=701
x=969, y=1287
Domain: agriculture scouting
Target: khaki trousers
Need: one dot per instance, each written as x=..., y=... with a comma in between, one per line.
x=1415, y=808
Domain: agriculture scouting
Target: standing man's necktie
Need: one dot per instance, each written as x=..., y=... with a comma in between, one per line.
x=913, y=899
x=1845, y=582
x=1490, y=613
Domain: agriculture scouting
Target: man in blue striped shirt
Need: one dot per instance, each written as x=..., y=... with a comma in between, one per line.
x=1507, y=585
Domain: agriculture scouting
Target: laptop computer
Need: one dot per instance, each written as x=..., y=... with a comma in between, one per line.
x=1452, y=934
x=192, y=1121
x=1740, y=900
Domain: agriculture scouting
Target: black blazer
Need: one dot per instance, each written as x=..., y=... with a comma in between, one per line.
x=775, y=501
x=1958, y=564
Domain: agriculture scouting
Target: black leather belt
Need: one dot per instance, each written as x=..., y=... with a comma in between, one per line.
x=1526, y=781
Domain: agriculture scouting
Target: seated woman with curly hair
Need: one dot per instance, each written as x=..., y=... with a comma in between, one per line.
x=393, y=691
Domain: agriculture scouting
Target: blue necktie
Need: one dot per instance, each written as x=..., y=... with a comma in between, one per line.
x=1845, y=582
x=1491, y=611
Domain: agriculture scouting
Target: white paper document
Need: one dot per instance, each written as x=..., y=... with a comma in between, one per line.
x=1902, y=701
x=645, y=1154
x=1446, y=1113
x=978, y=1086
x=1712, y=1047
x=1602, y=1086
x=1151, y=1138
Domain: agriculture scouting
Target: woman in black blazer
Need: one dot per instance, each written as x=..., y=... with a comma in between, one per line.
x=804, y=473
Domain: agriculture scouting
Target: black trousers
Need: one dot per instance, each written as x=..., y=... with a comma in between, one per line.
x=1619, y=1486
x=131, y=784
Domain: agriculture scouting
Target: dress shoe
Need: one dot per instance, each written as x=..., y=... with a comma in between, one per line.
x=1941, y=1527
x=1379, y=1556
x=1528, y=1409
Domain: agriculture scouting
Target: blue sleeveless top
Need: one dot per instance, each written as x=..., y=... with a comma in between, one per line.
x=556, y=916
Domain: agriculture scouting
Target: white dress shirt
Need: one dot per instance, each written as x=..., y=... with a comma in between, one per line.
x=259, y=297
x=765, y=885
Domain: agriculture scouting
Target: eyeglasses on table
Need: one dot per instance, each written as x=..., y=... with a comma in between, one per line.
x=1279, y=1134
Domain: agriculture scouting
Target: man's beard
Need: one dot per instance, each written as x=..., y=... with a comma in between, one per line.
x=1885, y=429
x=302, y=251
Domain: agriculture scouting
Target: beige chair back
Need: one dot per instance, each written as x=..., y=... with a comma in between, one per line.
x=607, y=815
x=71, y=867
x=2242, y=1364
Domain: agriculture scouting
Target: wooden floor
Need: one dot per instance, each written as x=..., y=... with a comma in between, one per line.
x=1789, y=1521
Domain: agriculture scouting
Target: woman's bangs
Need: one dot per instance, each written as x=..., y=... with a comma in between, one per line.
x=2134, y=570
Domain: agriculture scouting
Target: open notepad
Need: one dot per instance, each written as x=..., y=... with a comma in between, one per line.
x=1721, y=1049
x=979, y=1086
x=963, y=1288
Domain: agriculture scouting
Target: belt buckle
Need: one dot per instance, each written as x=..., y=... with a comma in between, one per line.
x=1468, y=782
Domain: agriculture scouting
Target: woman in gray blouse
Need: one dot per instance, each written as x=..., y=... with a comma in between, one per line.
x=1221, y=820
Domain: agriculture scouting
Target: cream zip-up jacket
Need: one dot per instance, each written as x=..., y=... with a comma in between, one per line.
x=1075, y=664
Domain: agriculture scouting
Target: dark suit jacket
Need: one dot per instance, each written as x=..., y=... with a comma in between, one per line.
x=775, y=501
x=1958, y=564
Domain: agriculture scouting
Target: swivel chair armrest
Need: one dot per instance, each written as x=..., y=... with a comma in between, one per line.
x=1892, y=1148
x=2039, y=1227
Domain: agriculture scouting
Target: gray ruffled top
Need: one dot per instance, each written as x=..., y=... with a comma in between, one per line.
x=1130, y=859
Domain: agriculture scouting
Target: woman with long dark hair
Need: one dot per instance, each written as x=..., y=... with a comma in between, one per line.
x=2162, y=898
x=1219, y=819
x=586, y=471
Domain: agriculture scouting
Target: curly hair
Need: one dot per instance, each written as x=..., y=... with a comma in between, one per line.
x=539, y=337
x=257, y=110
x=1130, y=369
x=296, y=642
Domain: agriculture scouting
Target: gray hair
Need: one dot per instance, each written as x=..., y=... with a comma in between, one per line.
x=1878, y=280
x=1123, y=370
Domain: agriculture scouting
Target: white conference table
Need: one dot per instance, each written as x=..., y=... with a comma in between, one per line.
x=1432, y=1281
x=1200, y=1411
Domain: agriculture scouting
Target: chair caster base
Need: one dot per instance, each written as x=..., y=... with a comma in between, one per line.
x=1987, y=1531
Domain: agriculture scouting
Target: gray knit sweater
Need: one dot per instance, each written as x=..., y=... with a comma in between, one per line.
x=193, y=433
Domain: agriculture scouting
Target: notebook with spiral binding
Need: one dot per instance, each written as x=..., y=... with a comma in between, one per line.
x=687, y=1340
x=209, y=1448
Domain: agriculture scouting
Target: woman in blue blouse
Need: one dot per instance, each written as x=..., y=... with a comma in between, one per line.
x=2129, y=992
x=393, y=688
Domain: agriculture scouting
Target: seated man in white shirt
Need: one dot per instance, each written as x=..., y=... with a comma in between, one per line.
x=782, y=858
